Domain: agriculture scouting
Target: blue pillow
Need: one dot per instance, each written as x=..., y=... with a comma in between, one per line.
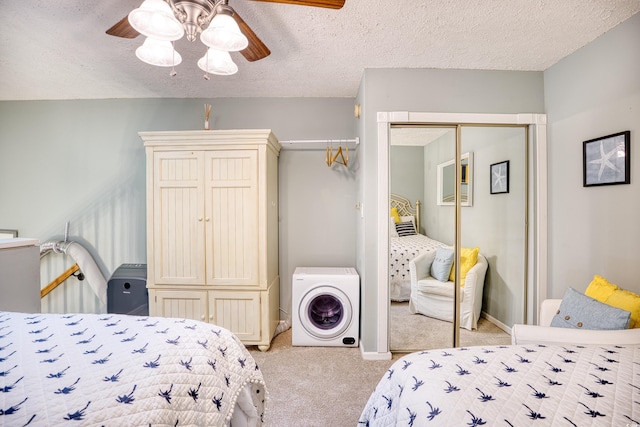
x=579, y=311
x=441, y=265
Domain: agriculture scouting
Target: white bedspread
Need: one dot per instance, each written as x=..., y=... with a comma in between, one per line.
x=510, y=386
x=402, y=251
x=118, y=370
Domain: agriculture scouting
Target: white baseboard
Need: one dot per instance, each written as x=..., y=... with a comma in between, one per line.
x=371, y=355
x=496, y=322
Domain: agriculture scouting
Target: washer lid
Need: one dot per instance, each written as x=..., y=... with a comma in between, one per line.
x=334, y=271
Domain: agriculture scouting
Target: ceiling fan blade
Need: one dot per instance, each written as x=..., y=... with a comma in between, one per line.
x=256, y=49
x=330, y=4
x=123, y=29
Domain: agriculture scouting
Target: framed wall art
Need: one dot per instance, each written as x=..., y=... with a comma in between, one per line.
x=499, y=182
x=606, y=160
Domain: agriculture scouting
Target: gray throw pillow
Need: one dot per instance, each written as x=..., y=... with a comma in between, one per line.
x=441, y=266
x=579, y=311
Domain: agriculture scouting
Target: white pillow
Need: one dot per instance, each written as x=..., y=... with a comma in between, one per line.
x=392, y=228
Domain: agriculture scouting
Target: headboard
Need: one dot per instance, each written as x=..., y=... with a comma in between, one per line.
x=405, y=209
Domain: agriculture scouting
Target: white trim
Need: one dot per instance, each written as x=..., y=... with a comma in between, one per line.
x=541, y=213
x=372, y=355
x=382, y=339
x=385, y=119
x=496, y=322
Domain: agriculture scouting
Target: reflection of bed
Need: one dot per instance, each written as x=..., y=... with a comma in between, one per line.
x=574, y=380
x=114, y=369
x=404, y=249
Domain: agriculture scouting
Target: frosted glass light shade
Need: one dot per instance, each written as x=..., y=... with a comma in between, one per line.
x=223, y=33
x=158, y=52
x=154, y=18
x=217, y=62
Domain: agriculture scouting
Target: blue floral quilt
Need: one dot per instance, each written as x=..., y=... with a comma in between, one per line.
x=118, y=370
x=510, y=386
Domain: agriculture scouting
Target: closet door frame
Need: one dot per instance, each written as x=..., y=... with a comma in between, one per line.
x=537, y=262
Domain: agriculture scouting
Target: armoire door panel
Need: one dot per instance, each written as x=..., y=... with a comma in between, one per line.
x=237, y=311
x=178, y=219
x=181, y=304
x=232, y=217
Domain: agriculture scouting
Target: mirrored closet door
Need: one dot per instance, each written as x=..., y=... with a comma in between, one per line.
x=414, y=155
x=494, y=290
x=486, y=227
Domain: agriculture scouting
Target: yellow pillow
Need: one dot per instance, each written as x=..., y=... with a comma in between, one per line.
x=600, y=289
x=604, y=291
x=395, y=215
x=468, y=258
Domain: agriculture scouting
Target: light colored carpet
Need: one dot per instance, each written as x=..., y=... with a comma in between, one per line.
x=329, y=386
x=414, y=332
x=316, y=386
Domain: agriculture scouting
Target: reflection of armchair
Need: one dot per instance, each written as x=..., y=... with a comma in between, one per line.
x=433, y=298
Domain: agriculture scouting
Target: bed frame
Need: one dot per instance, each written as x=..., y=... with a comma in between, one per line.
x=403, y=205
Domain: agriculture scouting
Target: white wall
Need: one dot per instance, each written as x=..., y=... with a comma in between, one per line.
x=595, y=230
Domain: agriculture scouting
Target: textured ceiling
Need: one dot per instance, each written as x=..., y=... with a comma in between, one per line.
x=59, y=49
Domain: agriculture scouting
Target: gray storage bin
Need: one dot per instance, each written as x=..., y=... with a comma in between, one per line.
x=127, y=290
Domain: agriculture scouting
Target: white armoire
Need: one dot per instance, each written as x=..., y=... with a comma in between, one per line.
x=212, y=229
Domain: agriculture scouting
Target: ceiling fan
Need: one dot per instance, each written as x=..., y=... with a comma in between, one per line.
x=199, y=17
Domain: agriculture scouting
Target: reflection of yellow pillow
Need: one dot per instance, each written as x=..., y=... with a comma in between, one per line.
x=604, y=291
x=600, y=288
x=395, y=215
x=468, y=258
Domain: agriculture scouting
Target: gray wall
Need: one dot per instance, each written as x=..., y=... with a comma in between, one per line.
x=440, y=221
x=595, y=230
x=462, y=91
x=317, y=216
x=495, y=223
x=407, y=174
x=83, y=162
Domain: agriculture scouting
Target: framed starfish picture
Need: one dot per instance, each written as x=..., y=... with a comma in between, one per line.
x=499, y=177
x=606, y=160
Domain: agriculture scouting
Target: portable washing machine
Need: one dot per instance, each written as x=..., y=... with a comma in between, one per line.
x=326, y=307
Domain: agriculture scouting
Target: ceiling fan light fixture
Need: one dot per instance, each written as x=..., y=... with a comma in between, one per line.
x=223, y=33
x=158, y=52
x=154, y=18
x=217, y=62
